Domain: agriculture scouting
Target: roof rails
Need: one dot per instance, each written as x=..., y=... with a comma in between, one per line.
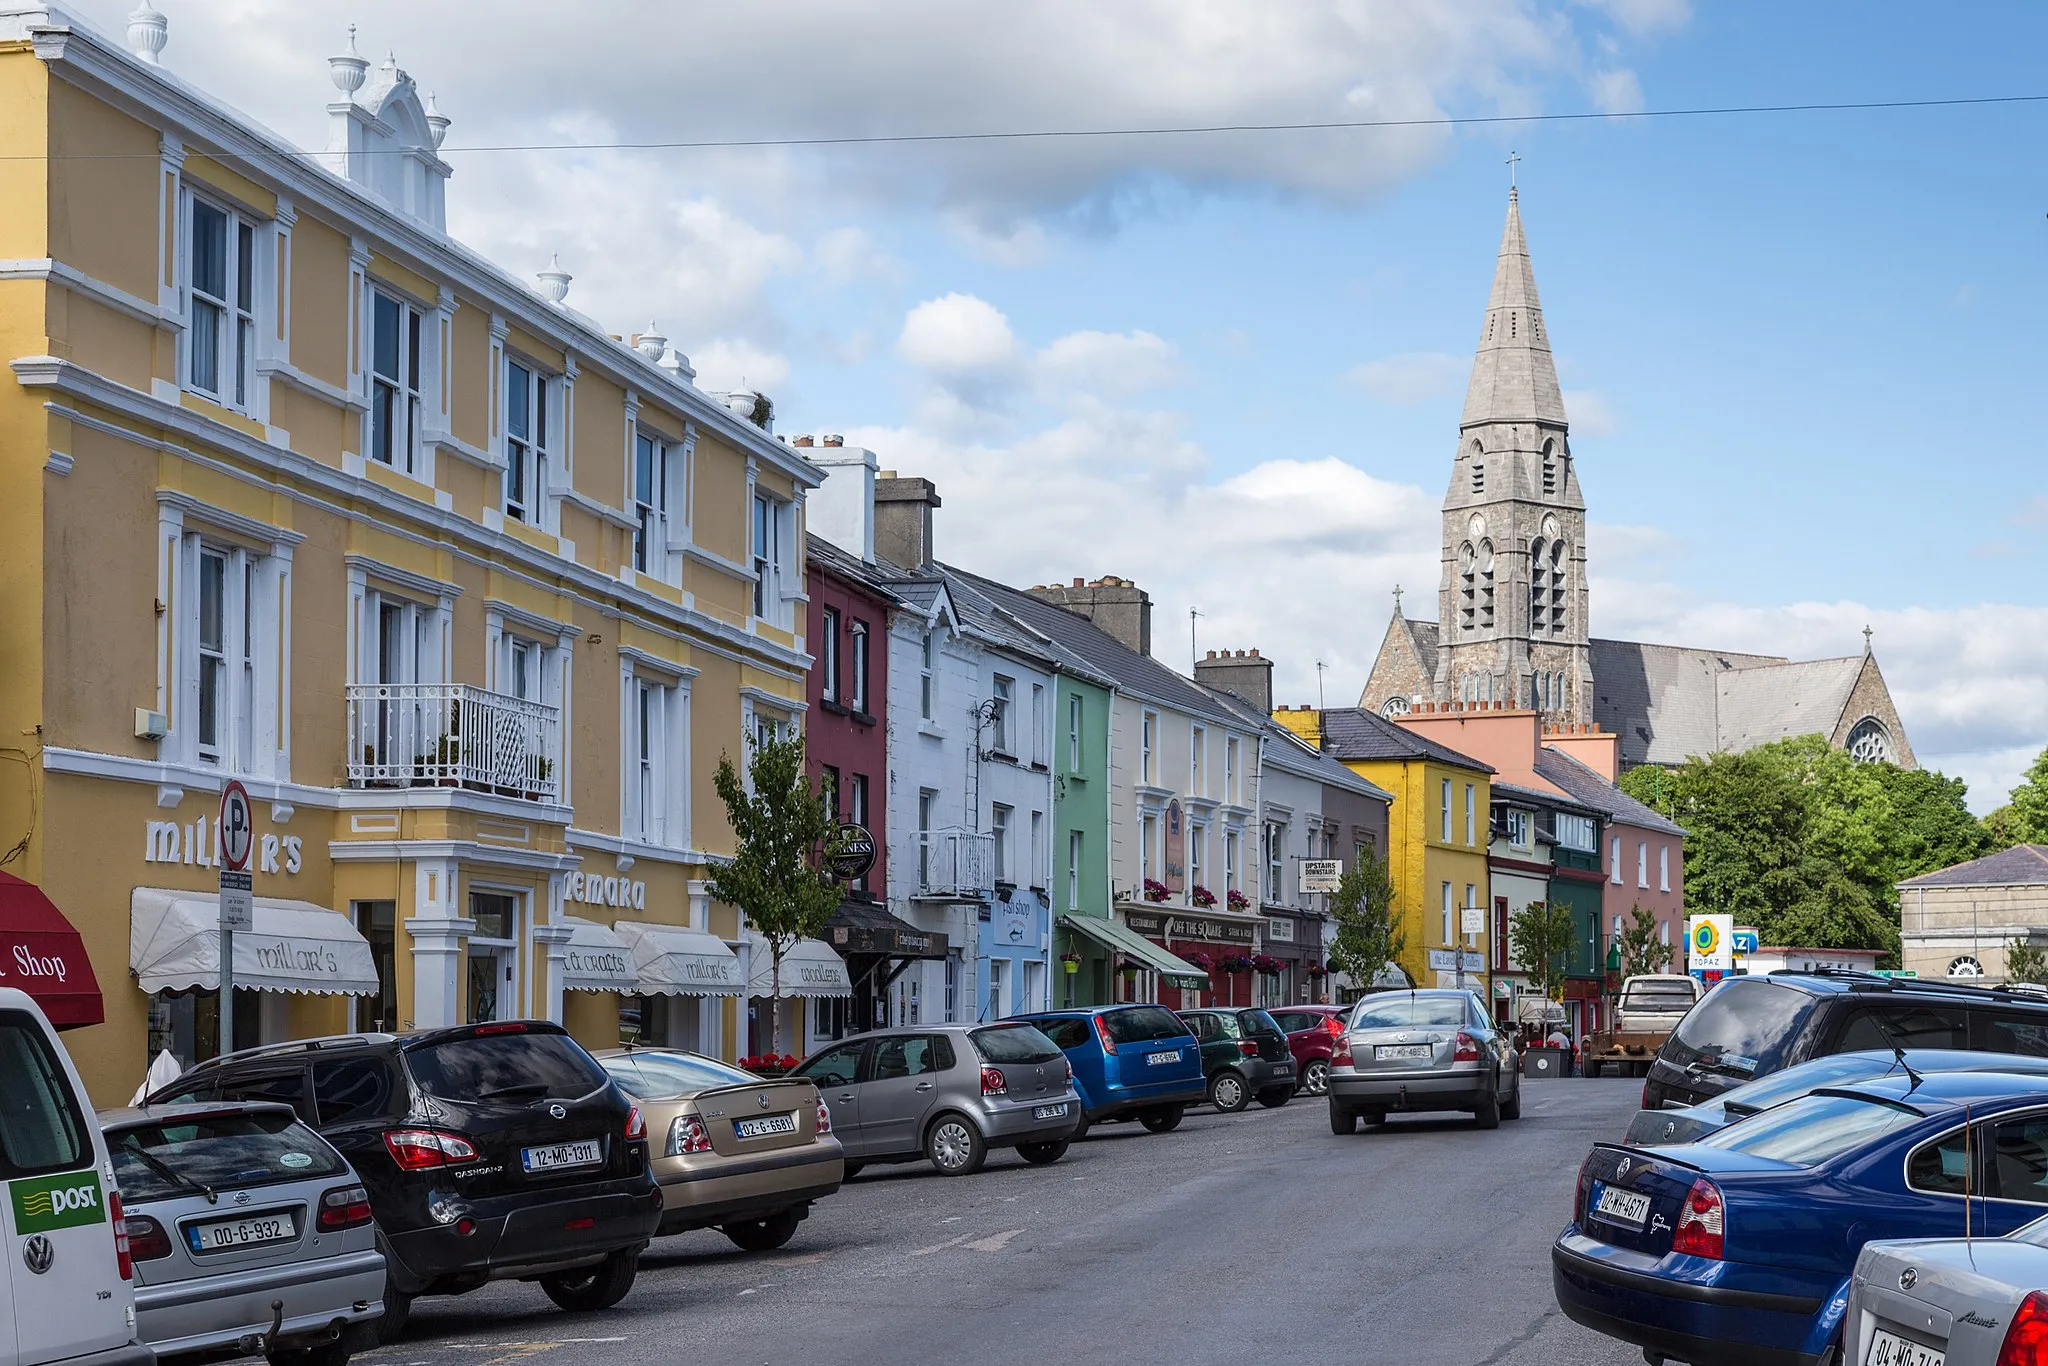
x=268, y=1050
x=1870, y=981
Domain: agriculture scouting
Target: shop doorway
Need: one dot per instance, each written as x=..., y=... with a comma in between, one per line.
x=493, y=980
x=1033, y=997
x=377, y=921
x=998, y=988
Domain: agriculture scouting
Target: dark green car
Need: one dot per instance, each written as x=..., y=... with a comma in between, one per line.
x=1244, y=1054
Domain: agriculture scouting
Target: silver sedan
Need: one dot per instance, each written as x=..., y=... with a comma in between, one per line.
x=1950, y=1301
x=1422, y=1050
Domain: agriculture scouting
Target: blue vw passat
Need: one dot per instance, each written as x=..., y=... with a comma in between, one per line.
x=1738, y=1249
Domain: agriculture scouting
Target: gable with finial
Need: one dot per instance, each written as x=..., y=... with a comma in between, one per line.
x=385, y=138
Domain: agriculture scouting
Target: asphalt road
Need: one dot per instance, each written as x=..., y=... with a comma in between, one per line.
x=1257, y=1236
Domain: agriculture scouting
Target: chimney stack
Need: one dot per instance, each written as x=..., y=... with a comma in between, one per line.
x=903, y=520
x=1116, y=605
x=1244, y=674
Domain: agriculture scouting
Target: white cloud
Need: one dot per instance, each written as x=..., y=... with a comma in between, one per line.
x=727, y=364
x=1109, y=364
x=1590, y=413
x=1409, y=378
x=1615, y=91
x=1645, y=16
x=957, y=334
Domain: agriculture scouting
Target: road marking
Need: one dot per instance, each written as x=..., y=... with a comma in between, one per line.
x=940, y=1247
x=995, y=1242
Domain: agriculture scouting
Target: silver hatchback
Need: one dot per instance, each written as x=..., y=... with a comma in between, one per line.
x=1422, y=1050
x=248, y=1231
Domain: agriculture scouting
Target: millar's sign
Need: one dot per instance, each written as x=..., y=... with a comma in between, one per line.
x=198, y=843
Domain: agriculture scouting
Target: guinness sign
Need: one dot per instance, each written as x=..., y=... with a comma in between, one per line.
x=853, y=854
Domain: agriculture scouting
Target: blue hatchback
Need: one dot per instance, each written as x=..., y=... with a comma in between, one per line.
x=1137, y=1062
x=1737, y=1249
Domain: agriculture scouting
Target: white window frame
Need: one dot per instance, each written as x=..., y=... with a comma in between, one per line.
x=1275, y=860
x=928, y=652
x=829, y=626
x=1643, y=863
x=771, y=539
x=234, y=311
x=652, y=476
x=1471, y=814
x=1447, y=912
x=1230, y=861
x=1038, y=851
x=1444, y=802
x=1230, y=785
x=857, y=679
x=654, y=798
x=1614, y=859
x=1075, y=713
x=1148, y=828
x=1002, y=696
x=1578, y=832
x=398, y=400
x=1663, y=867
x=927, y=808
x=1518, y=829
x=1198, y=744
x=1198, y=838
x=999, y=827
x=1038, y=724
x=1148, y=734
x=529, y=459
x=1075, y=844
x=252, y=736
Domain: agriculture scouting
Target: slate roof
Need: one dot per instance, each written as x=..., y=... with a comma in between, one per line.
x=1514, y=378
x=1662, y=700
x=1424, y=634
x=1297, y=755
x=830, y=559
x=2023, y=865
x=1777, y=701
x=1355, y=733
x=1538, y=797
x=1554, y=766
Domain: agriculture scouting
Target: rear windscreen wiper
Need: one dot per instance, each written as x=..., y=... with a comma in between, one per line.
x=524, y=1088
x=168, y=1172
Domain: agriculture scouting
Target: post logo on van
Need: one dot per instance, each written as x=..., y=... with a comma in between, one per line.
x=52, y=1202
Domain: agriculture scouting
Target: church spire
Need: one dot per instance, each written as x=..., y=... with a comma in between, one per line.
x=1513, y=376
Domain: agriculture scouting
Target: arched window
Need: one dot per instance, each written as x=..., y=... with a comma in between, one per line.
x=1550, y=467
x=1485, y=567
x=1539, y=587
x=1394, y=706
x=1468, y=604
x=1555, y=611
x=1870, y=742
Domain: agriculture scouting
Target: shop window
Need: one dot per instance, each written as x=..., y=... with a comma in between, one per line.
x=492, y=982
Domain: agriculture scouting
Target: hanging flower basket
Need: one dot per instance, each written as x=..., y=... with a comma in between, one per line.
x=1156, y=890
x=1202, y=896
x=1199, y=960
x=1071, y=962
x=1239, y=901
x=1318, y=970
x=1266, y=965
x=1235, y=962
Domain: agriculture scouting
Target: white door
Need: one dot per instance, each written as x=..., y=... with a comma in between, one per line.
x=998, y=988
x=1033, y=995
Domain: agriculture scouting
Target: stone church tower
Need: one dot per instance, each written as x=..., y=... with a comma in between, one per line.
x=1512, y=605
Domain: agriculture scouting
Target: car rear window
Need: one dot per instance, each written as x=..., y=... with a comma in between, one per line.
x=1658, y=995
x=1258, y=1021
x=488, y=1065
x=1795, y=1082
x=1811, y=1130
x=1294, y=1021
x=1142, y=1024
x=40, y=1126
x=1398, y=1012
x=1014, y=1043
x=1744, y=1027
x=221, y=1152
x=660, y=1075
x=1067, y=1033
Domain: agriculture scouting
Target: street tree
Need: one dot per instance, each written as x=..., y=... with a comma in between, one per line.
x=1642, y=951
x=1369, y=932
x=2025, y=962
x=783, y=831
x=1540, y=938
x=2028, y=821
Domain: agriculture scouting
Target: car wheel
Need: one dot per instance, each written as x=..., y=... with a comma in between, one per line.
x=1343, y=1119
x=1487, y=1116
x=1164, y=1120
x=1511, y=1108
x=954, y=1146
x=1275, y=1097
x=763, y=1235
x=326, y=1354
x=1315, y=1076
x=1043, y=1154
x=1081, y=1129
x=595, y=1287
x=397, y=1309
x=1227, y=1092
x=851, y=1170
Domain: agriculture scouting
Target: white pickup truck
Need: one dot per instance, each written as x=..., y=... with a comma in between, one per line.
x=1647, y=1010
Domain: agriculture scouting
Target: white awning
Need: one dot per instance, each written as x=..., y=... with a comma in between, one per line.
x=670, y=960
x=595, y=959
x=810, y=968
x=174, y=944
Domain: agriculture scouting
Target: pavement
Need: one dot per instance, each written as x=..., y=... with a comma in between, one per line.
x=1259, y=1236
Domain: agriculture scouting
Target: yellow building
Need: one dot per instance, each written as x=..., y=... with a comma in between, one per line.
x=1437, y=836
x=469, y=594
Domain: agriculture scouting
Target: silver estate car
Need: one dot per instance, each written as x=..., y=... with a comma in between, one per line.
x=249, y=1233
x=1950, y=1301
x=1422, y=1050
x=947, y=1093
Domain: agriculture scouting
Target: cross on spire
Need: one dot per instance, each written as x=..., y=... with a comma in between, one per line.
x=1513, y=157
x=1866, y=640
x=1397, y=599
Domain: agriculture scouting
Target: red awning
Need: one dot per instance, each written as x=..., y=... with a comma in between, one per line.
x=42, y=955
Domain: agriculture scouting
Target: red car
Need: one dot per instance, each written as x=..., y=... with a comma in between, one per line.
x=1312, y=1031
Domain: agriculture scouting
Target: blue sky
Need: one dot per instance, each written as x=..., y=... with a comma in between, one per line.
x=1800, y=351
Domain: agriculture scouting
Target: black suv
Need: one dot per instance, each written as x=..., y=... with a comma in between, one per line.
x=491, y=1152
x=1749, y=1027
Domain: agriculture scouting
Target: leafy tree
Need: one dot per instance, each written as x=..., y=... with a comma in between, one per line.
x=1369, y=934
x=1540, y=937
x=1641, y=951
x=782, y=831
x=2026, y=963
x=2003, y=828
x=2029, y=804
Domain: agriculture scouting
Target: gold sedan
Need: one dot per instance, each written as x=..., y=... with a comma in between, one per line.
x=732, y=1151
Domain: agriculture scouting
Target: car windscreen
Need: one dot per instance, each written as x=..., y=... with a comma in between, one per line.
x=1014, y=1043
x=41, y=1129
x=1655, y=995
x=1794, y=1082
x=488, y=1066
x=179, y=1157
x=660, y=1075
x=1744, y=1027
x=1394, y=1011
x=1812, y=1129
x=1142, y=1024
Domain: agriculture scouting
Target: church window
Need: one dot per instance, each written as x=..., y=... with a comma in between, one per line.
x=1485, y=585
x=1394, y=706
x=1539, y=588
x=1550, y=467
x=1511, y=324
x=1870, y=742
x=1554, y=612
x=1468, y=604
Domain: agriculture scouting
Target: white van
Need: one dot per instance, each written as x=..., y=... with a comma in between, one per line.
x=66, y=1289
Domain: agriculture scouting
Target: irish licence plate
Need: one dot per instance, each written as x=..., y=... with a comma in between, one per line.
x=765, y=1125
x=220, y=1235
x=1151, y=1058
x=1403, y=1050
x=555, y=1156
x=1889, y=1349
x=1627, y=1208
x=1049, y=1112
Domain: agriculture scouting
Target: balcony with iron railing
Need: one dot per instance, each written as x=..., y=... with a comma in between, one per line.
x=453, y=735
x=955, y=864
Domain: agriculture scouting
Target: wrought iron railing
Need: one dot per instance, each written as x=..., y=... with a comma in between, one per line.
x=956, y=862
x=453, y=735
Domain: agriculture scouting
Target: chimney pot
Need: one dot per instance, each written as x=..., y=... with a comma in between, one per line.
x=835, y=440
x=1078, y=583
x=1254, y=653
x=801, y=441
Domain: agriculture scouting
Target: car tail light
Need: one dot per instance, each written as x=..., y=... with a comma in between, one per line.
x=1334, y=1024
x=1579, y=1196
x=147, y=1240
x=824, y=1118
x=2026, y=1340
x=1102, y=1033
x=636, y=1126
x=1701, y=1223
x=1068, y=1064
x=992, y=1083
x=1248, y=1048
x=1644, y=1103
x=418, y=1149
x=122, y=1257
x=1340, y=1054
x=343, y=1207
x=687, y=1134
x=1468, y=1048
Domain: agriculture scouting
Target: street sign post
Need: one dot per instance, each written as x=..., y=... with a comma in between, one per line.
x=236, y=832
